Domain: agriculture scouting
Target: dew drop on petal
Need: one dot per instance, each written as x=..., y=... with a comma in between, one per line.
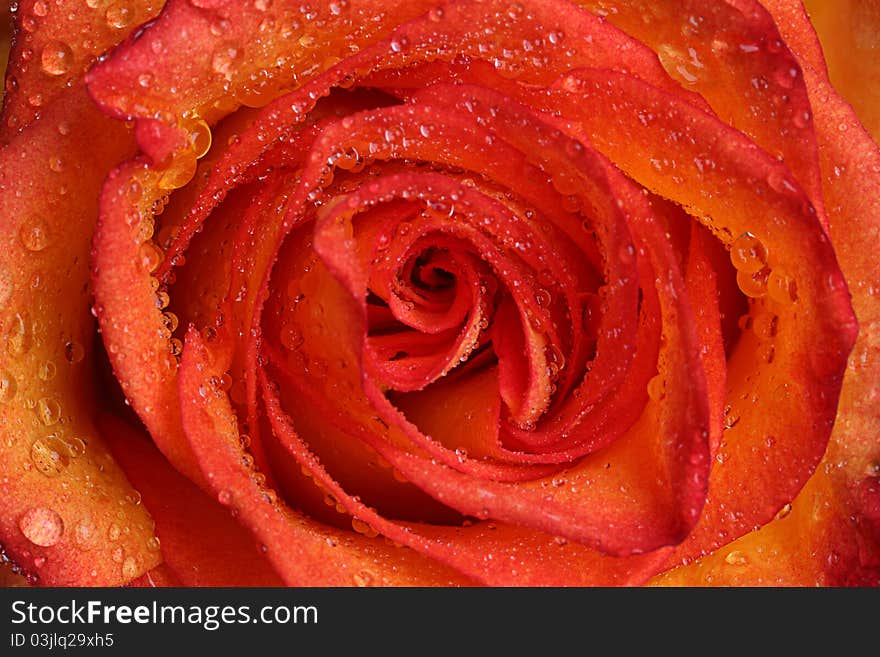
x=50, y=456
x=150, y=257
x=47, y=371
x=41, y=526
x=363, y=528
x=8, y=387
x=74, y=352
x=784, y=512
x=781, y=288
x=748, y=254
x=49, y=410
x=364, y=578
x=753, y=285
x=56, y=58
x=736, y=558
x=85, y=534
x=179, y=172
x=199, y=137
x=129, y=568
x=119, y=15
x=34, y=236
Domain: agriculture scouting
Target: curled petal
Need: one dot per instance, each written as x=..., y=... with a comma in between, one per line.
x=57, y=473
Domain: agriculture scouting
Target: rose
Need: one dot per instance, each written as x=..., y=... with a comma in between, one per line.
x=513, y=363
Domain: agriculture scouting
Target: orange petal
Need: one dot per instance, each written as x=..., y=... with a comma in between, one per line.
x=55, y=44
x=201, y=544
x=62, y=493
x=303, y=552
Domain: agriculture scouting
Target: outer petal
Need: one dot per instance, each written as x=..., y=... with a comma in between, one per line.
x=201, y=543
x=848, y=30
x=837, y=509
x=57, y=475
x=55, y=44
x=236, y=56
x=731, y=53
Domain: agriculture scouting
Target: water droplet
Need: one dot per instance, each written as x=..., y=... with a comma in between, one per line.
x=75, y=445
x=753, y=285
x=657, y=388
x=8, y=386
x=224, y=497
x=290, y=337
x=119, y=15
x=74, y=352
x=47, y=371
x=731, y=418
x=347, y=159
x=801, y=119
x=35, y=236
x=150, y=257
x=50, y=456
x=49, y=410
x=543, y=298
x=170, y=321
x=129, y=568
x=765, y=325
x=225, y=60
x=114, y=532
x=784, y=512
x=364, y=578
x=57, y=58
x=778, y=180
x=781, y=288
x=162, y=299
x=41, y=526
x=85, y=534
x=40, y=8
x=153, y=544
x=363, y=528
x=199, y=137
x=736, y=558
x=748, y=254
x=179, y=172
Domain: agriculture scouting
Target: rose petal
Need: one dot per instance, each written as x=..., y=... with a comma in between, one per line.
x=56, y=470
x=302, y=551
x=848, y=31
x=734, y=57
x=797, y=437
x=200, y=543
x=47, y=56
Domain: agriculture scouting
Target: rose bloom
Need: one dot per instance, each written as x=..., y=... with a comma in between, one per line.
x=374, y=292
